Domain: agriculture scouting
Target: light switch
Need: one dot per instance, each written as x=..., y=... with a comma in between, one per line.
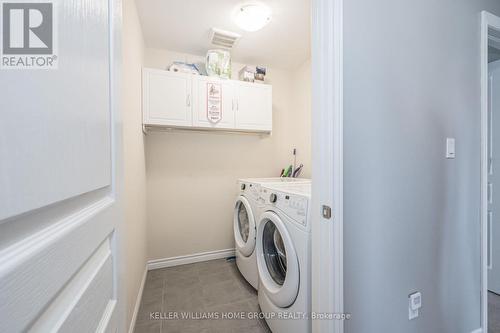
x=450, y=148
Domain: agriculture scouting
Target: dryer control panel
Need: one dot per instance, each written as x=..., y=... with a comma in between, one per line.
x=250, y=190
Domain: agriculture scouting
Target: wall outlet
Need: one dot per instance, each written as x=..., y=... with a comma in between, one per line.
x=414, y=304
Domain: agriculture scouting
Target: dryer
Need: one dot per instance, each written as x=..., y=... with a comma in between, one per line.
x=247, y=210
x=283, y=248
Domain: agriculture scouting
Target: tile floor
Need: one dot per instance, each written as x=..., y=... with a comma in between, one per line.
x=207, y=288
x=493, y=313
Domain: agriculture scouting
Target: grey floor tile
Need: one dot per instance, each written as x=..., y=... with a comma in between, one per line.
x=184, y=281
x=148, y=327
x=213, y=266
x=189, y=269
x=143, y=316
x=265, y=328
x=493, y=300
x=493, y=313
x=223, y=293
x=212, y=277
x=193, y=302
x=155, y=277
x=154, y=282
x=193, y=290
x=173, y=290
x=247, y=290
x=152, y=296
x=238, y=316
x=187, y=326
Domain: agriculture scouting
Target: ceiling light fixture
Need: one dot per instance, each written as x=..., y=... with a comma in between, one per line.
x=252, y=17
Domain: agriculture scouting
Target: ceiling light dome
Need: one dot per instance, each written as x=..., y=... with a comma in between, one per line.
x=252, y=17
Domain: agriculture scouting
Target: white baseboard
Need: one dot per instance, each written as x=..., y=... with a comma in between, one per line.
x=138, y=301
x=479, y=330
x=189, y=259
x=174, y=261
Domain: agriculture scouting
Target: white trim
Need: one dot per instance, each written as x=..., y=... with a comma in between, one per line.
x=115, y=36
x=138, y=301
x=108, y=321
x=327, y=161
x=479, y=330
x=487, y=20
x=190, y=259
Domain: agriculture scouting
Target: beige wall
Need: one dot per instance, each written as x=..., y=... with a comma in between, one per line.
x=191, y=177
x=134, y=159
x=301, y=111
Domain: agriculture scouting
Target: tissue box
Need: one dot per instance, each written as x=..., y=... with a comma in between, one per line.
x=183, y=67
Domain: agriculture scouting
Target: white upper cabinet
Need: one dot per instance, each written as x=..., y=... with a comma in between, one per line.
x=173, y=99
x=254, y=106
x=167, y=98
x=214, y=103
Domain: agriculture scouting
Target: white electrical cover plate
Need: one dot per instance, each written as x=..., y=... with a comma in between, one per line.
x=414, y=304
x=450, y=148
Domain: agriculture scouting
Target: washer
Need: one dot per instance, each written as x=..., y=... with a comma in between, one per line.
x=247, y=210
x=283, y=258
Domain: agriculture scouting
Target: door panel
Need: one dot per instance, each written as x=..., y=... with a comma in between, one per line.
x=82, y=303
x=494, y=179
x=167, y=98
x=200, y=107
x=59, y=147
x=54, y=141
x=63, y=247
x=254, y=107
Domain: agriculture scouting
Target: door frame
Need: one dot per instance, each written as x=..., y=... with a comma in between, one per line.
x=327, y=163
x=488, y=21
x=115, y=89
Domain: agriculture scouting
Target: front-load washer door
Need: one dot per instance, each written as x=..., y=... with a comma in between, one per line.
x=277, y=261
x=244, y=226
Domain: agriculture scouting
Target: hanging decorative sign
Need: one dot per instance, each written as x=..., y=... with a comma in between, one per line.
x=214, y=102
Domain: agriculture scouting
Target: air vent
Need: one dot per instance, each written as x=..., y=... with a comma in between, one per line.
x=224, y=39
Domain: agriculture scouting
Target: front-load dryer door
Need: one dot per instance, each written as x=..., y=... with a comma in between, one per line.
x=244, y=227
x=277, y=261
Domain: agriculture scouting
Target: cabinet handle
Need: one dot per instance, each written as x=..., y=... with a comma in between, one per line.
x=232, y=108
x=188, y=100
x=237, y=105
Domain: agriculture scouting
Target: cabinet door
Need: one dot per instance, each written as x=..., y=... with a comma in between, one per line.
x=254, y=107
x=167, y=98
x=221, y=99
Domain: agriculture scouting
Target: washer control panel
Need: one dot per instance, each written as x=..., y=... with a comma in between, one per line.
x=293, y=205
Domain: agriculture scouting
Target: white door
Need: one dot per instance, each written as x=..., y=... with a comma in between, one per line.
x=254, y=106
x=167, y=99
x=277, y=261
x=225, y=105
x=494, y=179
x=59, y=216
x=244, y=226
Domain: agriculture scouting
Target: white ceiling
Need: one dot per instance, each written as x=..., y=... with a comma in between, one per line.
x=184, y=26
